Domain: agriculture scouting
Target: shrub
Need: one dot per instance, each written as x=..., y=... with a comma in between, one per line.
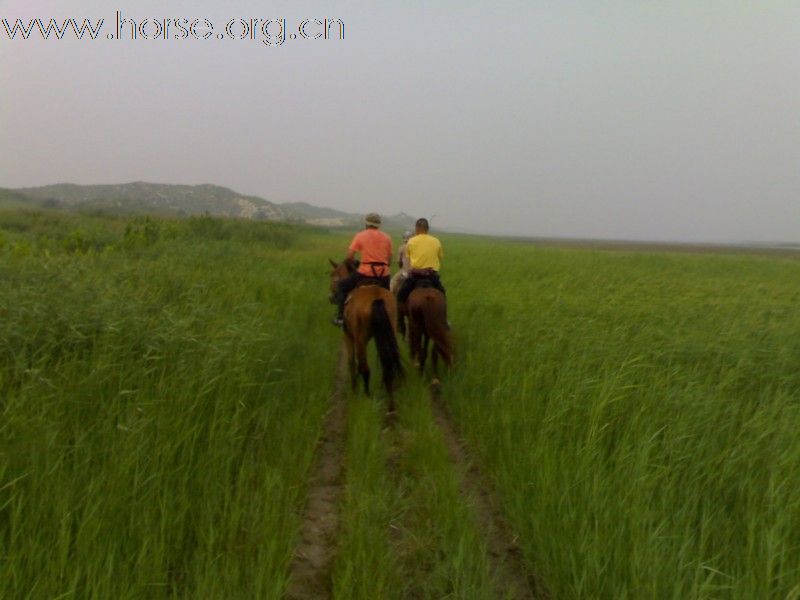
x=142, y=232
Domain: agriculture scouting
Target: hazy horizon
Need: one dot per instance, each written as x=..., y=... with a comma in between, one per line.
x=621, y=121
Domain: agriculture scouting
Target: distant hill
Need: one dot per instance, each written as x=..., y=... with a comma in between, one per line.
x=315, y=212
x=186, y=200
x=141, y=197
x=12, y=199
x=329, y=217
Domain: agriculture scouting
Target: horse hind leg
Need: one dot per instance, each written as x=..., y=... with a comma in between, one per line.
x=365, y=377
x=424, y=352
x=415, y=343
x=391, y=409
x=363, y=366
x=351, y=362
x=401, y=319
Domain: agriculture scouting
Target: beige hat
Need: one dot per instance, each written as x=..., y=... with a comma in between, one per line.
x=373, y=220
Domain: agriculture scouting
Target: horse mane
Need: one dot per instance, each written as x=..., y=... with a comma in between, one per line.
x=351, y=264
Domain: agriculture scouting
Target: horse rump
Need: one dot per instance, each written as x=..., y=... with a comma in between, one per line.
x=431, y=314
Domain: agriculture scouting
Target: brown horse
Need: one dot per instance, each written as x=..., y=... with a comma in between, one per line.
x=427, y=317
x=370, y=312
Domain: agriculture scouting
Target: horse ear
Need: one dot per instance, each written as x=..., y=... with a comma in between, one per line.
x=333, y=264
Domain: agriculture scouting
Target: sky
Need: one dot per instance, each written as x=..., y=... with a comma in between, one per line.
x=641, y=120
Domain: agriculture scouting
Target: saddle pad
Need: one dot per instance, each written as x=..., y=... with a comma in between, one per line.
x=367, y=283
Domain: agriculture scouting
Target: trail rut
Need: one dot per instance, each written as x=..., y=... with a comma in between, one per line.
x=310, y=570
x=504, y=554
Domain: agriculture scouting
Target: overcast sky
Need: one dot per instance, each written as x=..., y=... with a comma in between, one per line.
x=637, y=120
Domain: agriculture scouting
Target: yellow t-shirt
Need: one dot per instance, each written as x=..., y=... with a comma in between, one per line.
x=424, y=252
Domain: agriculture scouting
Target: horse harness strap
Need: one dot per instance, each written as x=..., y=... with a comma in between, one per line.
x=368, y=280
x=372, y=266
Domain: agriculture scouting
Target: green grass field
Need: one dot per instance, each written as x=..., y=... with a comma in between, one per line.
x=164, y=383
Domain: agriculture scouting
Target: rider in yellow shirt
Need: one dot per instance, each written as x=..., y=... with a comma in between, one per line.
x=424, y=250
x=425, y=256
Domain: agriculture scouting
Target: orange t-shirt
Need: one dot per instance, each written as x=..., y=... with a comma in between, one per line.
x=375, y=247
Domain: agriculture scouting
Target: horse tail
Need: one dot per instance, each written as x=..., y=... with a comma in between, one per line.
x=386, y=341
x=435, y=318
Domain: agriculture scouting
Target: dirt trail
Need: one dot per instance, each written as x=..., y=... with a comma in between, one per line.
x=310, y=571
x=505, y=557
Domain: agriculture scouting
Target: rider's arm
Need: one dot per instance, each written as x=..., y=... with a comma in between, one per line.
x=355, y=246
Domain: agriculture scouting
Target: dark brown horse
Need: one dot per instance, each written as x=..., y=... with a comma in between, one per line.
x=427, y=322
x=370, y=312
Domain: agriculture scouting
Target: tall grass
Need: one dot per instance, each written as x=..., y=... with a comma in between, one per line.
x=159, y=404
x=440, y=542
x=163, y=384
x=639, y=414
x=366, y=564
x=406, y=529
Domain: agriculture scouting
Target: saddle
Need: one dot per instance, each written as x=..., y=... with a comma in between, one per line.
x=421, y=278
x=421, y=284
x=368, y=282
x=421, y=273
x=418, y=279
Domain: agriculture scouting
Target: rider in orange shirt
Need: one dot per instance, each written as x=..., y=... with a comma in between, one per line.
x=375, y=248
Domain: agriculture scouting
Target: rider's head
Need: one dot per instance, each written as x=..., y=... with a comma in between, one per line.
x=407, y=235
x=422, y=226
x=372, y=220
